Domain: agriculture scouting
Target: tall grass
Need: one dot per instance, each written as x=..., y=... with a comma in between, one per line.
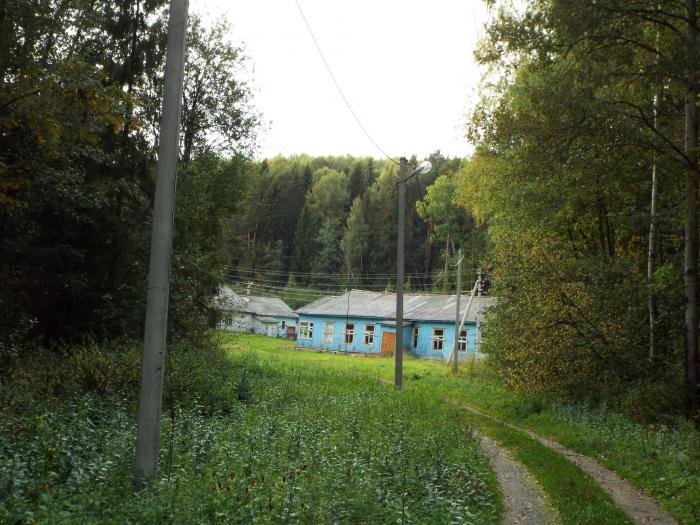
x=662, y=458
x=247, y=438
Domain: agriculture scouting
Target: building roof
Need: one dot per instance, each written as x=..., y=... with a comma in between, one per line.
x=252, y=304
x=360, y=303
x=265, y=319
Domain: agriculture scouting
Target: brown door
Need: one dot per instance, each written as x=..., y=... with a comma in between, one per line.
x=388, y=343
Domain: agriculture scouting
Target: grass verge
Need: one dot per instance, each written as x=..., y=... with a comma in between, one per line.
x=248, y=437
x=661, y=459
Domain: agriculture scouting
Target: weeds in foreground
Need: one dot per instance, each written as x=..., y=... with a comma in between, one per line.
x=245, y=440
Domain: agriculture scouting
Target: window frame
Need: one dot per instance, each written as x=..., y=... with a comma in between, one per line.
x=328, y=335
x=463, y=341
x=349, y=334
x=306, y=330
x=368, y=338
x=438, y=340
x=415, y=336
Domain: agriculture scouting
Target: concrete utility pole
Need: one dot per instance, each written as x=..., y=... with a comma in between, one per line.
x=455, y=350
x=398, y=352
x=151, y=393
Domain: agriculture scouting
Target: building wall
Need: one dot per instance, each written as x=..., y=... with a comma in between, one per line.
x=236, y=322
x=247, y=323
x=288, y=321
x=424, y=348
x=425, y=340
x=337, y=341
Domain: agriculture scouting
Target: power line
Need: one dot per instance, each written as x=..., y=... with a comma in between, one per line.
x=297, y=291
x=337, y=85
x=324, y=288
x=334, y=276
x=286, y=284
x=302, y=293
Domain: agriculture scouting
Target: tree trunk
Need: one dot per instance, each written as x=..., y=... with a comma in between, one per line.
x=653, y=220
x=651, y=260
x=691, y=205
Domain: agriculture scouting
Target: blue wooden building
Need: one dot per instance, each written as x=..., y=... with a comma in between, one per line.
x=364, y=322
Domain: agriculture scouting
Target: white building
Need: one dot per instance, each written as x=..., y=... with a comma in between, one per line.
x=268, y=316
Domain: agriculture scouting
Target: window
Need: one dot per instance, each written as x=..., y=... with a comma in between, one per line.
x=284, y=325
x=415, y=337
x=369, y=334
x=328, y=332
x=306, y=329
x=462, y=341
x=349, y=332
x=438, y=339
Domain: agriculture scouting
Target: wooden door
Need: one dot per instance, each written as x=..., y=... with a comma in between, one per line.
x=388, y=343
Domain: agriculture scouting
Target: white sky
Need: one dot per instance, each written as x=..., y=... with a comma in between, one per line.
x=406, y=67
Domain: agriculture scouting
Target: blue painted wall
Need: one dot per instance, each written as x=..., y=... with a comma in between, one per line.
x=338, y=343
x=423, y=348
x=288, y=321
x=425, y=340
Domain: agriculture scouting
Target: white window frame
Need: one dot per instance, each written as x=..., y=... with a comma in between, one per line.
x=369, y=334
x=328, y=332
x=438, y=341
x=306, y=330
x=462, y=341
x=349, y=333
x=415, y=337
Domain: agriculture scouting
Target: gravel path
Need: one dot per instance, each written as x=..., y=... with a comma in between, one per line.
x=639, y=507
x=523, y=503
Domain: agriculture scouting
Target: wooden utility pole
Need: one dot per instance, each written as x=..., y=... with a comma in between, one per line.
x=398, y=351
x=455, y=350
x=154, y=342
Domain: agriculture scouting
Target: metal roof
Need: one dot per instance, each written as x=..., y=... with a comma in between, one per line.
x=360, y=303
x=252, y=304
x=264, y=319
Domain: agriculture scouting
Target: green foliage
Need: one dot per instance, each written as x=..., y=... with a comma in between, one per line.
x=577, y=499
x=304, y=444
x=566, y=140
x=79, y=115
x=338, y=215
x=659, y=456
x=355, y=242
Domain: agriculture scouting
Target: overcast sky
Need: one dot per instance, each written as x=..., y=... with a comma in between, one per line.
x=406, y=67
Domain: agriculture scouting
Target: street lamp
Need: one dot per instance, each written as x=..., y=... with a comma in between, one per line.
x=424, y=167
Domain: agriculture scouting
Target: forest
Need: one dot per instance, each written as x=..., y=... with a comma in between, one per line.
x=313, y=225
x=579, y=202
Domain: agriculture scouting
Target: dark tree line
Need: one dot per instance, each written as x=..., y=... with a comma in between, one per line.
x=310, y=218
x=79, y=111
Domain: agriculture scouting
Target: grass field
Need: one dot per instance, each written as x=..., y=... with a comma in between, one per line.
x=258, y=432
x=664, y=461
x=266, y=439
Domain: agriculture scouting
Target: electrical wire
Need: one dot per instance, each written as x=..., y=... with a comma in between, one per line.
x=321, y=274
x=286, y=284
x=281, y=289
x=337, y=85
x=302, y=293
